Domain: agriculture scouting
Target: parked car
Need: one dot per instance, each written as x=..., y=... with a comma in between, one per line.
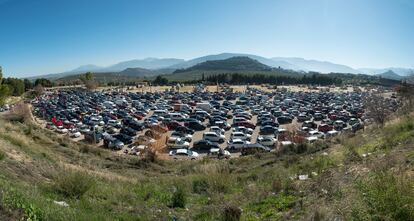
x=183, y=154
x=177, y=143
x=240, y=135
x=268, y=141
x=204, y=145
x=236, y=144
x=198, y=126
x=219, y=153
x=211, y=136
x=182, y=136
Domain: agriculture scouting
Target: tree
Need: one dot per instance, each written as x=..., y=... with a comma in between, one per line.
x=377, y=109
x=1, y=74
x=406, y=91
x=38, y=89
x=27, y=84
x=89, y=81
x=44, y=82
x=160, y=80
x=16, y=86
x=4, y=93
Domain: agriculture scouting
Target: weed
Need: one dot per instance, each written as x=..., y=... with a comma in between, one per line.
x=14, y=200
x=388, y=197
x=270, y=207
x=179, y=198
x=2, y=155
x=200, y=186
x=231, y=213
x=73, y=184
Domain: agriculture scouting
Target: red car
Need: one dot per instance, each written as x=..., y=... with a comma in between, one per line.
x=173, y=124
x=325, y=128
x=139, y=117
x=244, y=124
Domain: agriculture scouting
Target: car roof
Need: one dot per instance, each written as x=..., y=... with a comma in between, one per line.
x=181, y=151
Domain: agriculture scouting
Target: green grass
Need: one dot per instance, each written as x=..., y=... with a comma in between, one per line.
x=99, y=185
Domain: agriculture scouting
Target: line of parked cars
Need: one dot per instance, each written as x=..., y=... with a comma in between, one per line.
x=118, y=117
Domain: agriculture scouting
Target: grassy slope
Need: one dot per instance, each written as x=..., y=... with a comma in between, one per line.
x=37, y=167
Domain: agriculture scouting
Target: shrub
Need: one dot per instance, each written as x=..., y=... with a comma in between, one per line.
x=301, y=148
x=149, y=156
x=200, y=186
x=231, y=213
x=388, y=197
x=269, y=208
x=20, y=113
x=73, y=184
x=277, y=185
x=178, y=199
x=2, y=155
x=13, y=200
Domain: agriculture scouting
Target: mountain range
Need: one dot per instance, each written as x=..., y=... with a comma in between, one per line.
x=169, y=65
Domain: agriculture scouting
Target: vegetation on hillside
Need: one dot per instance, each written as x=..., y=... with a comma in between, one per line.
x=230, y=64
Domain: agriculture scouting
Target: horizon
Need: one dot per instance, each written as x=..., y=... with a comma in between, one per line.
x=46, y=36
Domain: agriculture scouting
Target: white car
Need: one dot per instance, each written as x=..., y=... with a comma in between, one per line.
x=217, y=130
x=236, y=144
x=62, y=130
x=182, y=154
x=76, y=134
x=240, y=135
x=268, y=141
x=177, y=143
x=219, y=153
x=213, y=137
x=243, y=129
x=182, y=136
x=315, y=133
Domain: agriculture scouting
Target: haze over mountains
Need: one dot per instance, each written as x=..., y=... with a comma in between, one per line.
x=169, y=65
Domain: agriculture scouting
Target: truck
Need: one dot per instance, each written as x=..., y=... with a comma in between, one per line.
x=182, y=107
x=204, y=106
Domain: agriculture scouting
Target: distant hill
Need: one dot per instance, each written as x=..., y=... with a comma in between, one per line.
x=229, y=64
x=127, y=75
x=158, y=64
x=222, y=56
x=376, y=71
x=148, y=63
x=314, y=65
x=390, y=75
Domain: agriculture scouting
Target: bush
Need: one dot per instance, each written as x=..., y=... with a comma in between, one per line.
x=200, y=186
x=11, y=199
x=388, y=197
x=231, y=213
x=2, y=155
x=149, y=156
x=178, y=199
x=73, y=184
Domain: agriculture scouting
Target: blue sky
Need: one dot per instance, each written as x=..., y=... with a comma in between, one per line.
x=49, y=36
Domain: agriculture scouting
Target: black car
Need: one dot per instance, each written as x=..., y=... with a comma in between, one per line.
x=184, y=129
x=284, y=120
x=195, y=125
x=204, y=145
x=267, y=130
x=124, y=138
x=129, y=131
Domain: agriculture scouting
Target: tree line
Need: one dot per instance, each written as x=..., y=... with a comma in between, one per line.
x=16, y=87
x=236, y=78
